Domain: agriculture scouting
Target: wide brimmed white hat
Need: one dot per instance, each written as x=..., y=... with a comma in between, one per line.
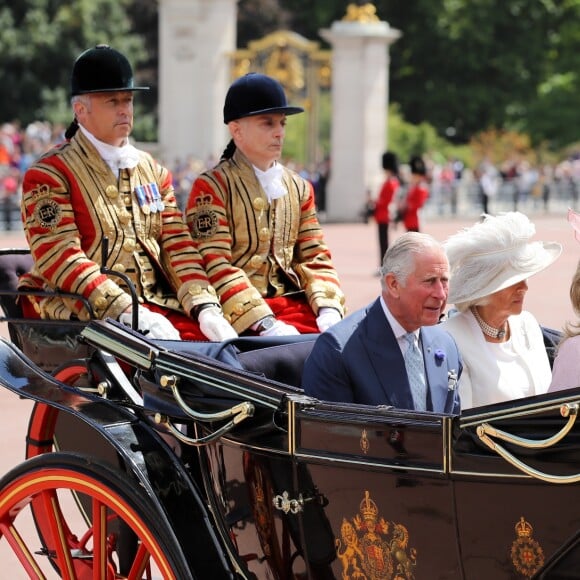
x=494, y=254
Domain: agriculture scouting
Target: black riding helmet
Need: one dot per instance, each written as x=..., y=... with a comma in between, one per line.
x=256, y=94
x=102, y=69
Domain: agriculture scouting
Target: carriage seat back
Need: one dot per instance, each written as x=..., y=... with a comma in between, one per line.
x=47, y=343
x=279, y=359
x=282, y=363
x=13, y=263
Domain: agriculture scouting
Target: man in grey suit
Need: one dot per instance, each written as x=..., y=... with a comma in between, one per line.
x=392, y=352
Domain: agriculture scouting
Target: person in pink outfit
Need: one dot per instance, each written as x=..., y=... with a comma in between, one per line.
x=566, y=371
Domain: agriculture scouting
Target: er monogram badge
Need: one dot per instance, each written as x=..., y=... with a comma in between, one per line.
x=205, y=219
x=47, y=213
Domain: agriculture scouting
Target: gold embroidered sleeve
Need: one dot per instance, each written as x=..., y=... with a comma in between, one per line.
x=313, y=262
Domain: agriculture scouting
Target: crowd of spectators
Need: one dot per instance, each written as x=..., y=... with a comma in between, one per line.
x=510, y=186
x=513, y=185
x=19, y=147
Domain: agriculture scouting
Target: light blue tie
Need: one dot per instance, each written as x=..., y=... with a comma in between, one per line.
x=416, y=373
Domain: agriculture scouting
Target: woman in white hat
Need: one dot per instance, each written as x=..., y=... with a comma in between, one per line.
x=566, y=373
x=502, y=346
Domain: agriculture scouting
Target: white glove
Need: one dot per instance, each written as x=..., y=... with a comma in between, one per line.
x=327, y=317
x=214, y=326
x=280, y=328
x=152, y=324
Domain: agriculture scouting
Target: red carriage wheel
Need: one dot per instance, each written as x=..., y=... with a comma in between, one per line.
x=42, y=423
x=121, y=512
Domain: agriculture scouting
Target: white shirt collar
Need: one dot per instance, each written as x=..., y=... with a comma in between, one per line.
x=124, y=157
x=271, y=181
x=398, y=330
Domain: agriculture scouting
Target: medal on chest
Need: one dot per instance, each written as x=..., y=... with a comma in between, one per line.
x=149, y=198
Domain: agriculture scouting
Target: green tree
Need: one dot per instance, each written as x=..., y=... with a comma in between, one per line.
x=465, y=65
x=256, y=18
x=462, y=66
x=39, y=42
x=552, y=117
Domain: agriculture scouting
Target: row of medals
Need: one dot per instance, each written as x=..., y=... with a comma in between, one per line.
x=148, y=196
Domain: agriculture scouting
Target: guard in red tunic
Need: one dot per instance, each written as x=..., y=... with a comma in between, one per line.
x=385, y=198
x=416, y=196
x=97, y=185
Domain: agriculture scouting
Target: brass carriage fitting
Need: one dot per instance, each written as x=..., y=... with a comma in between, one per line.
x=161, y=419
x=569, y=409
x=103, y=388
x=168, y=381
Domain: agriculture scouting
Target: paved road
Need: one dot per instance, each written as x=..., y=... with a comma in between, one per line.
x=355, y=253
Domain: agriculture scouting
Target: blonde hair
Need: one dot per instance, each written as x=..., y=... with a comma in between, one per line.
x=573, y=328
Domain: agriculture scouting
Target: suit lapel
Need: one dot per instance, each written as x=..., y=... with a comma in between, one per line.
x=386, y=358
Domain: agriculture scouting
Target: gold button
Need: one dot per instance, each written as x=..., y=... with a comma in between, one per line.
x=259, y=203
x=195, y=290
x=238, y=309
x=330, y=292
x=118, y=268
x=256, y=302
x=129, y=245
x=264, y=234
x=211, y=290
x=256, y=261
x=111, y=191
x=127, y=200
x=100, y=302
x=124, y=217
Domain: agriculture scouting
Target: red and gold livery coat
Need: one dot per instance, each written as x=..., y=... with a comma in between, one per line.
x=72, y=200
x=254, y=250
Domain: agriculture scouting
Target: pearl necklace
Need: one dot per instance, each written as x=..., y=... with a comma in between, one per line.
x=488, y=330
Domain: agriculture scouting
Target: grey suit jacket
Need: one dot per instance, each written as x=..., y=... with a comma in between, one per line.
x=359, y=360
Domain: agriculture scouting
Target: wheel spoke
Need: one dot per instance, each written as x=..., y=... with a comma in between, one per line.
x=59, y=533
x=121, y=534
x=25, y=557
x=140, y=565
x=99, y=512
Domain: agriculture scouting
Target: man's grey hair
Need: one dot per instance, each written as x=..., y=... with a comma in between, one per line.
x=399, y=259
x=84, y=99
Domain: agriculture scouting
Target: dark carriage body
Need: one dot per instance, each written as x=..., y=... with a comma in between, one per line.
x=269, y=483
